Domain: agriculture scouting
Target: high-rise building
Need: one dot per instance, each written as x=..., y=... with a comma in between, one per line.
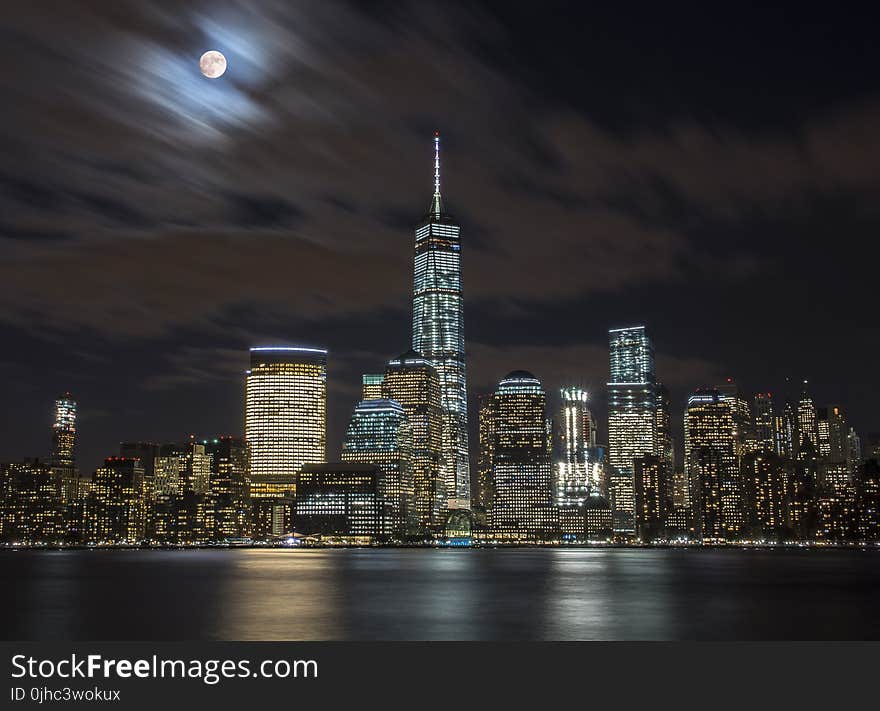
x=663, y=415
x=766, y=491
x=229, y=512
x=522, y=505
x=438, y=332
x=853, y=451
x=285, y=412
x=339, y=500
x=652, y=499
x=823, y=432
x=867, y=482
x=788, y=432
x=63, y=459
x=622, y=500
x=486, y=459
x=30, y=506
x=575, y=439
x=146, y=453
x=413, y=383
x=632, y=417
x=379, y=433
x=837, y=432
x=116, y=506
x=764, y=423
x=742, y=416
x=371, y=386
x=806, y=420
x=712, y=464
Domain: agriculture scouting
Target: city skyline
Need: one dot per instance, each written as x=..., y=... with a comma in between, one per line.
x=537, y=476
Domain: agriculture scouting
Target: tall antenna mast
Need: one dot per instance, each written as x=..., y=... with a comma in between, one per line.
x=436, y=162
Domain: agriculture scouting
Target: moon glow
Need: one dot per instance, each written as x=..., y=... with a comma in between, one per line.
x=212, y=64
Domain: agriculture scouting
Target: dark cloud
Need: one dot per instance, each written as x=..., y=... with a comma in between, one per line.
x=260, y=211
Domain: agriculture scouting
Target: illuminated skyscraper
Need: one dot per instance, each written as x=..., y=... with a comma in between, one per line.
x=229, y=513
x=285, y=413
x=522, y=506
x=371, y=386
x=652, y=490
x=632, y=416
x=788, y=431
x=766, y=491
x=486, y=459
x=438, y=332
x=853, y=451
x=116, y=506
x=742, y=416
x=712, y=464
x=575, y=438
x=764, y=423
x=663, y=416
x=831, y=430
x=29, y=507
x=413, y=382
x=806, y=419
x=380, y=434
x=573, y=471
x=63, y=460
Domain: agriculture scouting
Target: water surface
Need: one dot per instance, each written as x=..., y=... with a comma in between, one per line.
x=427, y=594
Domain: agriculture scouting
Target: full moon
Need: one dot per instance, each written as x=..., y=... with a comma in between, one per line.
x=212, y=64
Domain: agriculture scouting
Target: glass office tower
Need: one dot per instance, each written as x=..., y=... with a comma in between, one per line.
x=522, y=505
x=285, y=412
x=63, y=459
x=379, y=433
x=411, y=381
x=632, y=415
x=438, y=333
x=712, y=464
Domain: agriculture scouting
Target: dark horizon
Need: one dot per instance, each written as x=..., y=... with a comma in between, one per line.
x=713, y=177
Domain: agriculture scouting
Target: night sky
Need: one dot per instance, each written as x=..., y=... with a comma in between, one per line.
x=712, y=173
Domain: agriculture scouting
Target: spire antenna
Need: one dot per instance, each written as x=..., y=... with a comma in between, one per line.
x=436, y=162
x=436, y=202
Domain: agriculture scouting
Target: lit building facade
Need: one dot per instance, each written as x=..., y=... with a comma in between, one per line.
x=788, y=431
x=229, y=510
x=63, y=459
x=652, y=496
x=116, y=505
x=764, y=424
x=486, y=458
x=766, y=480
x=30, y=508
x=632, y=416
x=663, y=417
x=807, y=425
x=575, y=439
x=379, y=433
x=285, y=411
x=853, y=451
x=438, y=333
x=522, y=505
x=339, y=500
x=371, y=386
x=413, y=383
x=712, y=464
x=831, y=428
